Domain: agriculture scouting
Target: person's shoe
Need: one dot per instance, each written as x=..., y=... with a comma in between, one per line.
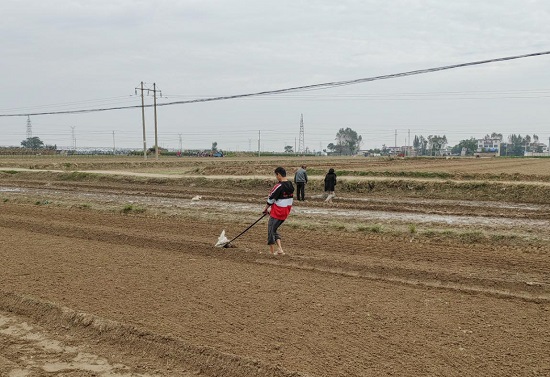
x=280, y=253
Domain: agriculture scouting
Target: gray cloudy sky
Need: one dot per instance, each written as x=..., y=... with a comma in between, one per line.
x=71, y=55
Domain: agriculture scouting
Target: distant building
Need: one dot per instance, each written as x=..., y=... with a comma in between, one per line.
x=489, y=145
x=537, y=149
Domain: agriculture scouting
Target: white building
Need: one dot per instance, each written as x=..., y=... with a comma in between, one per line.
x=489, y=144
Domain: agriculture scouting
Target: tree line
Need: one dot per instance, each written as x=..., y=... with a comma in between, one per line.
x=348, y=142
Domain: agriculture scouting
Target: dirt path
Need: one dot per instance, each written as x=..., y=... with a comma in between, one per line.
x=260, y=176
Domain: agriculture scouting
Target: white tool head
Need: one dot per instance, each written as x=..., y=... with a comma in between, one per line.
x=222, y=240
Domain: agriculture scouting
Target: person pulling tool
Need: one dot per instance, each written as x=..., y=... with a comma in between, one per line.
x=278, y=206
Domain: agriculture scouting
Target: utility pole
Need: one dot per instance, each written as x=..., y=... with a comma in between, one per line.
x=259, y=138
x=156, y=129
x=181, y=143
x=409, y=143
x=114, y=146
x=154, y=90
x=395, y=143
x=143, y=120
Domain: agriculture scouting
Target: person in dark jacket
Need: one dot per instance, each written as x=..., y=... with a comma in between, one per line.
x=330, y=183
x=279, y=204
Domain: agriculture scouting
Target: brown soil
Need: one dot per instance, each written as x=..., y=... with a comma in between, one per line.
x=146, y=293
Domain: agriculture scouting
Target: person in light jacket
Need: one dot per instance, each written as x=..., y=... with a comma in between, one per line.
x=300, y=178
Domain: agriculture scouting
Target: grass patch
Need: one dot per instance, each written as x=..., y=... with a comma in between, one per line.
x=337, y=225
x=75, y=176
x=302, y=225
x=396, y=174
x=471, y=236
x=10, y=172
x=466, y=236
x=375, y=228
x=69, y=165
x=129, y=208
x=497, y=237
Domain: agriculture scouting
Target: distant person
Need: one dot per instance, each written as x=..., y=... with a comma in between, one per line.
x=279, y=204
x=330, y=184
x=300, y=178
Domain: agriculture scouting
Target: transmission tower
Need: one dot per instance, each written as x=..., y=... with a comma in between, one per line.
x=29, y=127
x=301, y=146
x=73, y=137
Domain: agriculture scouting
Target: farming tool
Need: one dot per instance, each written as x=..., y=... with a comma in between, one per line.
x=222, y=240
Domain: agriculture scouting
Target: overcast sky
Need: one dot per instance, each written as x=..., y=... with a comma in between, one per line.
x=72, y=55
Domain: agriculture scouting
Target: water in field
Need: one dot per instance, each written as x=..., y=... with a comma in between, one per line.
x=222, y=207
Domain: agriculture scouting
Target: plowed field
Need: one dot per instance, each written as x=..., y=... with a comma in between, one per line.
x=119, y=277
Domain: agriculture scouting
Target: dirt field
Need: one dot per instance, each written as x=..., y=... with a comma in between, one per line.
x=116, y=275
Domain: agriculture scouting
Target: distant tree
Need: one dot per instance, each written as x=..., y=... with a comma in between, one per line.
x=33, y=143
x=470, y=145
x=517, y=145
x=348, y=142
x=424, y=145
x=420, y=144
x=436, y=143
x=153, y=150
x=495, y=135
x=535, y=146
x=215, y=146
x=333, y=148
x=289, y=149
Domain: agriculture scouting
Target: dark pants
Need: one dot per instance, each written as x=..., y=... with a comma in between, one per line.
x=272, y=226
x=301, y=188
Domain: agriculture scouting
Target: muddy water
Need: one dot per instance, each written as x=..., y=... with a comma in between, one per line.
x=308, y=212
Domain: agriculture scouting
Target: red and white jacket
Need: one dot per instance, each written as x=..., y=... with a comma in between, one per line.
x=280, y=199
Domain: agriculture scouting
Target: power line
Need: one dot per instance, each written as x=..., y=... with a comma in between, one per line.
x=322, y=86
x=496, y=94
x=119, y=99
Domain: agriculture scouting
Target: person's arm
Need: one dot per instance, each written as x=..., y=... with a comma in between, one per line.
x=305, y=175
x=273, y=196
